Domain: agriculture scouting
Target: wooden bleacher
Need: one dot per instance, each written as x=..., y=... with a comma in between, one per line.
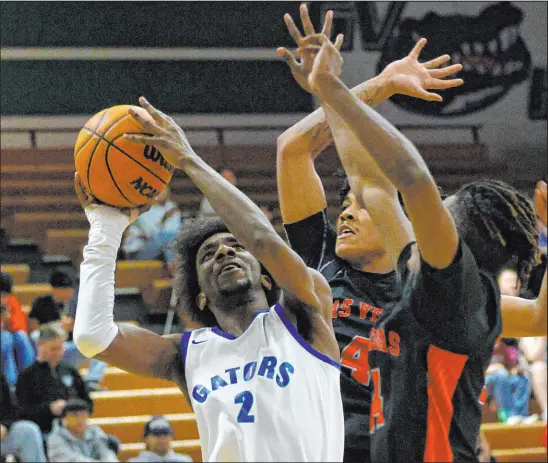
x=38, y=202
x=18, y=272
x=131, y=400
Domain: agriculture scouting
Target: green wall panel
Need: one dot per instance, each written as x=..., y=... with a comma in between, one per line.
x=149, y=24
x=84, y=87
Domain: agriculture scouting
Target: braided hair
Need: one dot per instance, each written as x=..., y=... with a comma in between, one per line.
x=498, y=223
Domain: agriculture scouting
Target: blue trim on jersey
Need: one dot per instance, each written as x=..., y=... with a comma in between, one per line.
x=184, y=344
x=226, y=335
x=293, y=331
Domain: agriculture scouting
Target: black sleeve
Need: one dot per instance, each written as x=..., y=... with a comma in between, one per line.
x=313, y=239
x=81, y=389
x=8, y=410
x=458, y=305
x=32, y=407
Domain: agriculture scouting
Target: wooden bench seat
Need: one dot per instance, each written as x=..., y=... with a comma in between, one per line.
x=502, y=436
x=18, y=272
x=27, y=293
x=156, y=401
x=118, y=380
x=138, y=273
x=537, y=454
x=34, y=224
x=65, y=242
x=130, y=428
x=190, y=447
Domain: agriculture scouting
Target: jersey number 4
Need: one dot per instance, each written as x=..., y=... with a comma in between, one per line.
x=356, y=357
x=246, y=399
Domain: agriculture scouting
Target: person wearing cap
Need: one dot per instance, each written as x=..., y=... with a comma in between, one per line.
x=158, y=435
x=17, y=350
x=75, y=440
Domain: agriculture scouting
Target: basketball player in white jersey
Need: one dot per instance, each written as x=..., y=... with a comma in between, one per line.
x=263, y=382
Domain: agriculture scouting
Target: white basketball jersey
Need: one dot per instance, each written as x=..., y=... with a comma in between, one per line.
x=264, y=396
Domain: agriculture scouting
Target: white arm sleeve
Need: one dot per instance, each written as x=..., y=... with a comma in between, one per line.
x=94, y=327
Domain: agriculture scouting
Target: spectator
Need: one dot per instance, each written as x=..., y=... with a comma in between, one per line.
x=149, y=236
x=506, y=379
x=75, y=440
x=19, y=438
x=44, y=388
x=534, y=350
x=17, y=350
x=158, y=435
x=206, y=211
x=44, y=311
x=72, y=355
x=542, y=239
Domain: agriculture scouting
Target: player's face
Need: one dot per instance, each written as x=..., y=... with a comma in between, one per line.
x=224, y=266
x=357, y=237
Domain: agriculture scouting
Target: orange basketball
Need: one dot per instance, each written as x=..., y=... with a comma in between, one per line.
x=114, y=170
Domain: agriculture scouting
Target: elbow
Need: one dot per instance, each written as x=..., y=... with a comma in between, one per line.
x=414, y=178
x=88, y=343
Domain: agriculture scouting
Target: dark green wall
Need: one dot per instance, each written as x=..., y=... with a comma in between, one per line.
x=148, y=24
x=84, y=87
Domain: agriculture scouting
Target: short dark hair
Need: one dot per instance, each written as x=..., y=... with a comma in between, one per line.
x=60, y=279
x=187, y=289
x=6, y=283
x=75, y=405
x=498, y=223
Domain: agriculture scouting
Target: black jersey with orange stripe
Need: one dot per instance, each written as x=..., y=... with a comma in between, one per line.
x=426, y=405
x=359, y=300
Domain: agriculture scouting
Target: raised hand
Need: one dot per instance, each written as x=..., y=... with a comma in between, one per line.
x=88, y=201
x=307, y=50
x=167, y=136
x=408, y=76
x=327, y=61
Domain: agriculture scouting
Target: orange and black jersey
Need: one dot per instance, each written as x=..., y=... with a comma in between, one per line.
x=426, y=402
x=359, y=300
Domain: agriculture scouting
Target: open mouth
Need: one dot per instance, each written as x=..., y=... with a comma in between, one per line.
x=230, y=267
x=489, y=46
x=345, y=230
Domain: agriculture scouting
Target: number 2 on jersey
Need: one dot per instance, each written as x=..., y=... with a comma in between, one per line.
x=356, y=357
x=246, y=399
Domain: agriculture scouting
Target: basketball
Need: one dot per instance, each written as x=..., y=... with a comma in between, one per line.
x=114, y=170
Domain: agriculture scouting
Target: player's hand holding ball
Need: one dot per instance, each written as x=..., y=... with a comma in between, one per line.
x=166, y=135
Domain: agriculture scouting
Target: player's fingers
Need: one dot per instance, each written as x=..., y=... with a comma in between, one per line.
x=292, y=28
x=428, y=96
x=308, y=49
x=439, y=84
x=149, y=125
x=339, y=41
x=156, y=114
x=434, y=63
x=440, y=73
x=416, y=51
x=305, y=19
x=313, y=39
x=152, y=140
x=542, y=188
x=326, y=30
x=81, y=192
x=287, y=56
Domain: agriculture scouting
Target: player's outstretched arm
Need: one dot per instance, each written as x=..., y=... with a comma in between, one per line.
x=125, y=346
x=523, y=318
x=242, y=217
x=395, y=155
x=300, y=189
